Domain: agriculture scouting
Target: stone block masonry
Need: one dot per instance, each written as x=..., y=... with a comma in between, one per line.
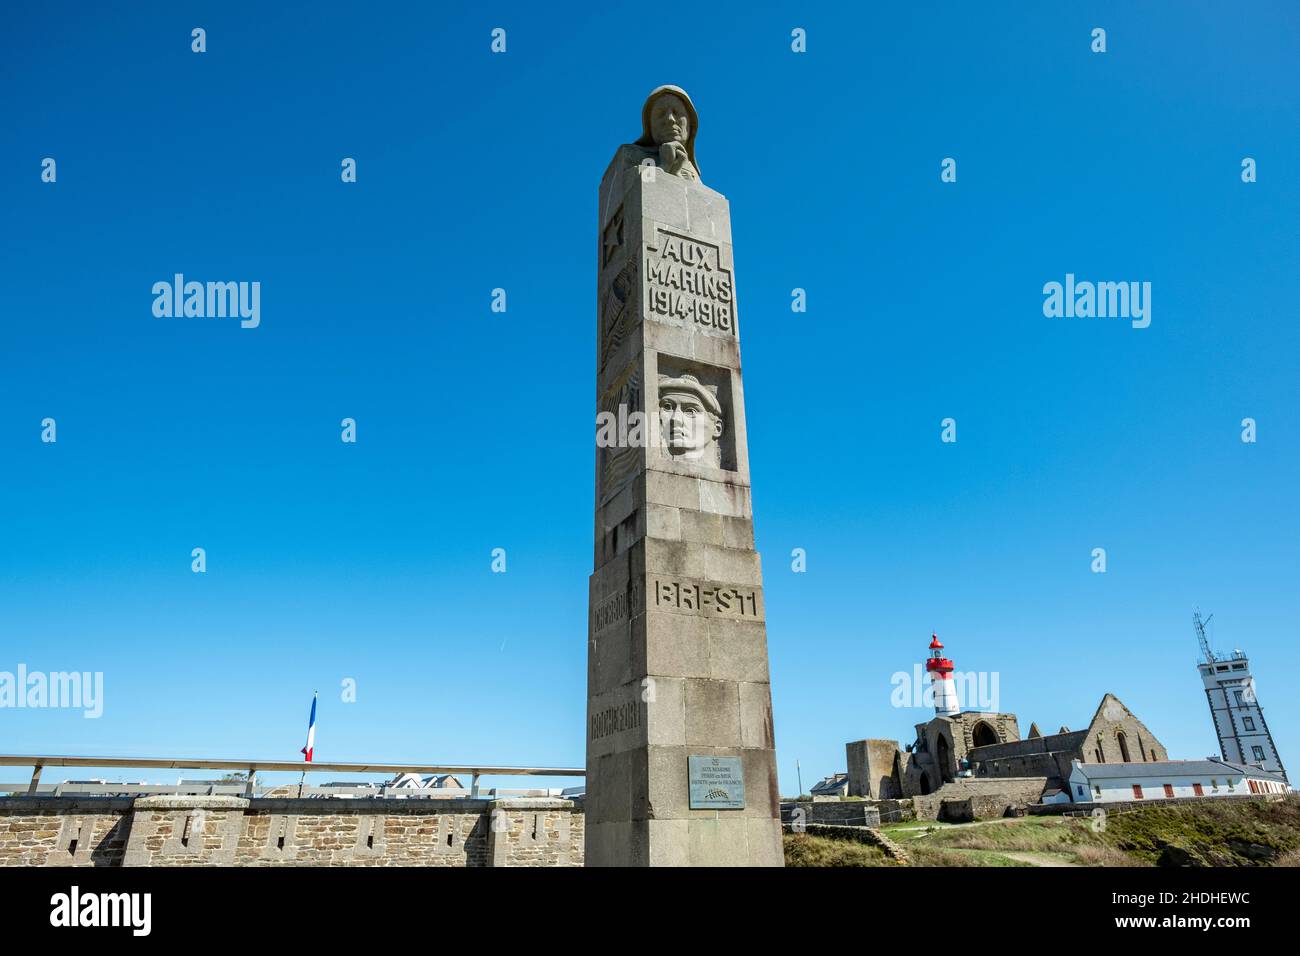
x=981, y=799
x=677, y=643
x=233, y=831
x=63, y=832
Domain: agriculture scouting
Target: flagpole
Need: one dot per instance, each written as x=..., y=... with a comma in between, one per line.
x=311, y=741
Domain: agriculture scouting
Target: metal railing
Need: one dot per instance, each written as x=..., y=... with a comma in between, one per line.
x=39, y=762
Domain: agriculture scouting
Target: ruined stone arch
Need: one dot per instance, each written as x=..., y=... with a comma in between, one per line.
x=924, y=783
x=983, y=734
x=1122, y=740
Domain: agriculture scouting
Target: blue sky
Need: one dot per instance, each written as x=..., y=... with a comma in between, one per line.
x=476, y=171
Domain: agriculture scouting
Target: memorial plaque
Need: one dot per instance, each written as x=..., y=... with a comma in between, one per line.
x=717, y=783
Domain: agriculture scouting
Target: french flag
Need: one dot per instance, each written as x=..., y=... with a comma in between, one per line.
x=311, y=731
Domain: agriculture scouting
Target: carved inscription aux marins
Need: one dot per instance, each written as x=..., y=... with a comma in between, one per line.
x=705, y=599
x=685, y=281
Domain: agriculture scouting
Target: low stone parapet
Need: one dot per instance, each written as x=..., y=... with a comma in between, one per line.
x=286, y=831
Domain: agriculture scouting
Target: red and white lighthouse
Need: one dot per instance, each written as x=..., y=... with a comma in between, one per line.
x=940, y=670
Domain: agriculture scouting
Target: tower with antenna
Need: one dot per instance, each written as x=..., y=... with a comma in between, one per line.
x=1244, y=737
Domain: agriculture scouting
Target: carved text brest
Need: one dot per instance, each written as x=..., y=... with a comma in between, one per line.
x=705, y=599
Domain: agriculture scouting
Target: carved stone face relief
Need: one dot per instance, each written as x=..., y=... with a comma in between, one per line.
x=669, y=120
x=669, y=124
x=690, y=419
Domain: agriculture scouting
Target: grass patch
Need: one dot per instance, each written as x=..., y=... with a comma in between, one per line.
x=1290, y=858
x=1104, y=856
x=802, y=849
x=1226, y=833
x=1030, y=834
x=914, y=828
x=922, y=855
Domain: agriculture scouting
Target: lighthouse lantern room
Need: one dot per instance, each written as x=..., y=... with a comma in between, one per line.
x=940, y=670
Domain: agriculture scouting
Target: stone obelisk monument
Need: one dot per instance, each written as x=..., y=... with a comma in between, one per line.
x=681, y=765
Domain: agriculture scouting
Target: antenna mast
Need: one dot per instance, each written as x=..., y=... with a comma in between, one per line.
x=1199, y=626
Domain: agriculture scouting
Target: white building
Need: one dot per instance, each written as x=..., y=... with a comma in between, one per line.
x=836, y=785
x=1169, y=780
x=414, y=781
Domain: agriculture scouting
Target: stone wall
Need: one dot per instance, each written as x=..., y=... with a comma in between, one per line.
x=1053, y=767
x=871, y=768
x=984, y=806
x=1071, y=742
x=987, y=798
x=856, y=813
x=63, y=832
x=233, y=831
x=535, y=833
x=896, y=811
x=860, y=813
